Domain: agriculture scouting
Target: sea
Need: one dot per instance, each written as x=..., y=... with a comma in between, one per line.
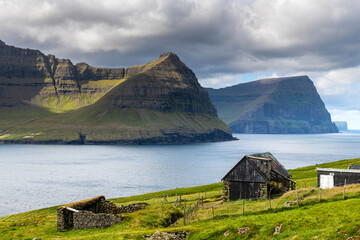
x=40, y=176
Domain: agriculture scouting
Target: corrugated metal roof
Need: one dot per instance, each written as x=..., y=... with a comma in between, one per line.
x=275, y=164
x=266, y=156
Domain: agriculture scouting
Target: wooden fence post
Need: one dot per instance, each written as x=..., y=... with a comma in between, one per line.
x=243, y=206
x=213, y=211
x=344, y=189
x=297, y=196
x=269, y=201
x=184, y=215
x=320, y=194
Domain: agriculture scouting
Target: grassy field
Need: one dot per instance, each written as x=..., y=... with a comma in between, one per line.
x=207, y=217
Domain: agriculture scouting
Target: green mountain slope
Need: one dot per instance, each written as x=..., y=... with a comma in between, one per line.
x=49, y=100
x=278, y=105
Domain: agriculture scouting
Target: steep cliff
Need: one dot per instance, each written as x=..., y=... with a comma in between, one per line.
x=48, y=100
x=341, y=125
x=277, y=105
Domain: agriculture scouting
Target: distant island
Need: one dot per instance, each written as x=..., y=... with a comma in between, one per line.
x=341, y=125
x=273, y=105
x=44, y=99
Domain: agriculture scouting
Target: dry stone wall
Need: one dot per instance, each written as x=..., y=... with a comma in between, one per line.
x=86, y=219
x=106, y=207
x=92, y=213
x=226, y=191
x=130, y=208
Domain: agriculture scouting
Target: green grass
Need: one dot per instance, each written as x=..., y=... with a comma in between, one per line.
x=331, y=218
x=307, y=176
x=111, y=125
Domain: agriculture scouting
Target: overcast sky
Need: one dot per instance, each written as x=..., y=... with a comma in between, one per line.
x=225, y=42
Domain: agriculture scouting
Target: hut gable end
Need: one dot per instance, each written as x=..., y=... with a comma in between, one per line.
x=245, y=171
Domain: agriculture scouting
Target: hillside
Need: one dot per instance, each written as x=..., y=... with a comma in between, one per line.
x=328, y=217
x=275, y=105
x=48, y=100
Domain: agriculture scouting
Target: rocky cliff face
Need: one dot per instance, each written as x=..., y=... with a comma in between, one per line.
x=165, y=85
x=278, y=105
x=341, y=125
x=45, y=99
x=30, y=77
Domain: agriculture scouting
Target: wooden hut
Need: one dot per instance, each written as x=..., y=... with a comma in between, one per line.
x=256, y=176
x=332, y=177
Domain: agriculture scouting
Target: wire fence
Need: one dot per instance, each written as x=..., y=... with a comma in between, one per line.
x=210, y=205
x=211, y=210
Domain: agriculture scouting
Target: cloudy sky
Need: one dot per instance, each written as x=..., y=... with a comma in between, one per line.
x=225, y=42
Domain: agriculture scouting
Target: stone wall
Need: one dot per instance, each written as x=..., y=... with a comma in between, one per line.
x=92, y=213
x=263, y=190
x=130, y=208
x=105, y=206
x=86, y=219
x=64, y=218
x=226, y=191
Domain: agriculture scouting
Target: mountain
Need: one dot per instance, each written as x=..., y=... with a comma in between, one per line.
x=341, y=125
x=44, y=99
x=274, y=105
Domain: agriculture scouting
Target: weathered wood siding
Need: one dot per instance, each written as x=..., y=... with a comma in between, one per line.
x=339, y=177
x=244, y=190
x=245, y=172
x=263, y=165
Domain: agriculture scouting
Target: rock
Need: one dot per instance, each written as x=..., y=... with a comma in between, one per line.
x=243, y=230
x=277, y=228
x=290, y=203
x=168, y=235
x=277, y=105
x=226, y=233
x=341, y=125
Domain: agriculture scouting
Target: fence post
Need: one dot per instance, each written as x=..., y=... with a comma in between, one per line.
x=320, y=194
x=180, y=198
x=243, y=206
x=344, y=189
x=184, y=215
x=305, y=184
x=213, y=211
x=297, y=196
x=269, y=200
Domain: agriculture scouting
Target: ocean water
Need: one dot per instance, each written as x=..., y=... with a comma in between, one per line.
x=39, y=176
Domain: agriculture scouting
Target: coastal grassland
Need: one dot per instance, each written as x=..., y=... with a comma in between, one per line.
x=307, y=177
x=330, y=217
x=111, y=125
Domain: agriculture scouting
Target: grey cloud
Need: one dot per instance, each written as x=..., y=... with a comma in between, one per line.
x=212, y=37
